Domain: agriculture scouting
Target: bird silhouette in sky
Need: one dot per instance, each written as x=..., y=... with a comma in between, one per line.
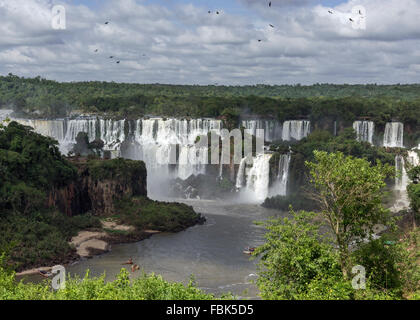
x=118, y=61
x=217, y=12
x=271, y=25
x=106, y=22
x=96, y=50
x=351, y=19
x=330, y=11
x=269, y=4
x=111, y=57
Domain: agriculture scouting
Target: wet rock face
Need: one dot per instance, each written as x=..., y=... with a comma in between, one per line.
x=99, y=183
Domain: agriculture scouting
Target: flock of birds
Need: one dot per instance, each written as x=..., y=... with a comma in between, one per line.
x=112, y=57
x=217, y=12
x=360, y=13
x=117, y=61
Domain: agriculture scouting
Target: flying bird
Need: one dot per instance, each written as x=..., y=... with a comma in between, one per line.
x=360, y=12
x=106, y=22
x=209, y=11
x=351, y=19
x=330, y=11
x=259, y=40
x=118, y=61
x=269, y=4
x=271, y=26
x=111, y=57
x=96, y=50
x=217, y=12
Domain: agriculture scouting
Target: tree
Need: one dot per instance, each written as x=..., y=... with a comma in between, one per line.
x=296, y=259
x=349, y=193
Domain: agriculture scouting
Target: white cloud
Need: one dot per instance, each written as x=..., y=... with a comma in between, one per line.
x=187, y=45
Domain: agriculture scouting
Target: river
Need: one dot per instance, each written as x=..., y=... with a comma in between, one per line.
x=212, y=252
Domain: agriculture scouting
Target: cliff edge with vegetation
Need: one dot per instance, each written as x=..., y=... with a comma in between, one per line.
x=46, y=200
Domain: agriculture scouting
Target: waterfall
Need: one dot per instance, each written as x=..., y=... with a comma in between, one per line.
x=402, y=180
x=394, y=135
x=364, y=130
x=296, y=130
x=272, y=128
x=112, y=133
x=157, y=139
x=192, y=161
x=240, y=177
x=283, y=175
x=258, y=177
x=413, y=158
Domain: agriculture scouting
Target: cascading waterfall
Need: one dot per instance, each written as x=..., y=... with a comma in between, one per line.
x=157, y=139
x=258, y=177
x=283, y=175
x=296, y=129
x=364, y=130
x=402, y=180
x=240, y=177
x=394, y=135
x=272, y=128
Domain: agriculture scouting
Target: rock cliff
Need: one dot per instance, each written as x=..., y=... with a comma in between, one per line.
x=98, y=184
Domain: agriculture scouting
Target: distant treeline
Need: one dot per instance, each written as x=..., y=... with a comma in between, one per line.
x=46, y=98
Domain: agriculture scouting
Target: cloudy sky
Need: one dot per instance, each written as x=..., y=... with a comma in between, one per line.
x=178, y=41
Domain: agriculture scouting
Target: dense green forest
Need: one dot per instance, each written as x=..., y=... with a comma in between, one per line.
x=46, y=98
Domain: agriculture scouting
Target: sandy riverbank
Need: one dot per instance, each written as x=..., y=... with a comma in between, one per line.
x=91, y=243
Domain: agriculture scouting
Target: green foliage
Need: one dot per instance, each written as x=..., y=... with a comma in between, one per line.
x=146, y=287
x=293, y=256
x=41, y=238
x=144, y=213
x=319, y=101
x=349, y=192
x=382, y=263
x=299, y=261
x=116, y=168
x=30, y=165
